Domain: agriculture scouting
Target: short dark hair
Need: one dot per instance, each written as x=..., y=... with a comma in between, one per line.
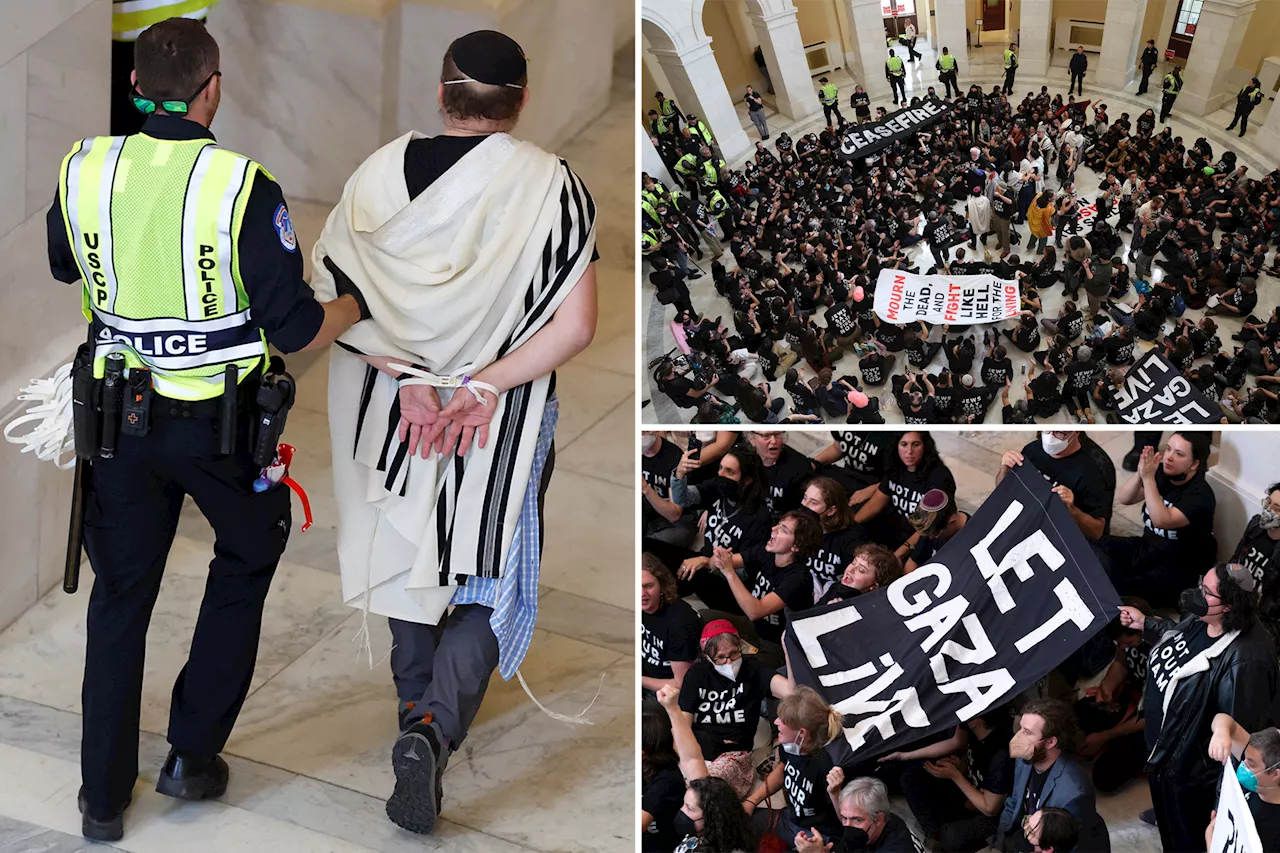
x=808, y=531
x=1241, y=604
x=1200, y=444
x=1059, y=721
x=173, y=58
x=472, y=100
x=1267, y=742
x=1059, y=830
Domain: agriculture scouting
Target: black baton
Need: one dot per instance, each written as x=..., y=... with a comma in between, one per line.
x=75, y=529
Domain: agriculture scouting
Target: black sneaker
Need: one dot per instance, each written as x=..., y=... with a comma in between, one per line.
x=187, y=779
x=418, y=762
x=93, y=829
x=406, y=711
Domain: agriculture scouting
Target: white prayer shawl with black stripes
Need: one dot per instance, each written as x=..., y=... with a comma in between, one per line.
x=455, y=280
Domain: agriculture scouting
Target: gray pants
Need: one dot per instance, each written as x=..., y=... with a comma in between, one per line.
x=444, y=669
x=757, y=118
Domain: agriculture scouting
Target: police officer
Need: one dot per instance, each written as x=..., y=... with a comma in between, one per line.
x=127, y=23
x=1077, y=67
x=1172, y=86
x=700, y=132
x=192, y=268
x=658, y=126
x=829, y=95
x=1147, y=62
x=1010, y=68
x=896, y=71
x=668, y=110
x=947, y=69
x=1246, y=99
x=712, y=171
x=688, y=170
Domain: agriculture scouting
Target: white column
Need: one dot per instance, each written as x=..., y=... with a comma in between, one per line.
x=951, y=21
x=1121, y=35
x=868, y=36
x=1035, y=23
x=793, y=87
x=1269, y=134
x=697, y=86
x=1219, y=34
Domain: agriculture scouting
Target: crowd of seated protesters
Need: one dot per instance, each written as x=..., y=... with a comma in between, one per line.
x=734, y=751
x=1163, y=243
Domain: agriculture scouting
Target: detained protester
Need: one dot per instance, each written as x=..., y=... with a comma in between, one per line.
x=1110, y=713
x=1257, y=768
x=1216, y=659
x=913, y=470
x=867, y=820
x=1078, y=477
x=670, y=629
x=802, y=764
x=873, y=567
x=1052, y=830
x=786, y=470
x=935, y=520
x=1177, y=516
x=841, y=535
x=448, y=387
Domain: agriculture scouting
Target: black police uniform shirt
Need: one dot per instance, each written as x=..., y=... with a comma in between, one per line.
x=905, y=490
x=836, y=552
x=657, y=471
x=1258, y=553
x=1078, y=472
x=281, y=302
x=1186, y=545
x=804, y=782
x=662, y=796
x=990, y=767
x=727, y=709
x=786, y=479
x=671, y=634
x=1164, y=660
x=791, y=582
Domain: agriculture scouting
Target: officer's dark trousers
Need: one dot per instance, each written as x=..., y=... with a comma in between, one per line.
x=444, y=669
x=1166, y=105
x=828, y=110
x=899, y=87
x=1146, y=79
x=131, y=515
x=1242, y=117
x=1008, y=81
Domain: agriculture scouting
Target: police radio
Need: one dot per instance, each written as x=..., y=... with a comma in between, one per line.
x=274, y=400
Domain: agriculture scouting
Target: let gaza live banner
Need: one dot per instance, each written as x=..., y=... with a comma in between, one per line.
x=864, y=140
x=1156, y=392
x=1004, y=602
x=902, y=297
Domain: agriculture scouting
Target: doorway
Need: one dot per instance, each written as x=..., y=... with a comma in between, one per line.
x=992, y=15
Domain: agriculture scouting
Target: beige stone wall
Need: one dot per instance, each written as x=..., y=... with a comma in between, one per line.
x=55, y=66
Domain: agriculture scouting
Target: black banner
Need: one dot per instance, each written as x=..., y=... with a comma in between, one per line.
x=864, y=140
x=1155, y=392
x=1006, y=600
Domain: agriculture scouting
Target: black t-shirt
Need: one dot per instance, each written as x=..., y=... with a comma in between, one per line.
x=1079, y=472
x=916, y=417
x=872, y=368
x=729, y=525
x=678, y=388
x=906, y=488
x=896, y=837
x=1266, y=819
x=1165, y=659
x=673, y=633
x=662, y=797
x=990, y=765
x=657, y=471
x=836, y=553
x=786, y=478
x=1080, y=377
x=1035, y=786
x=1192, y=545
x=972, y=403
x=804, y=781
x=790, y=582
x=840, y=320
x=1257, y=552
x=995, y=372
x=729, y=710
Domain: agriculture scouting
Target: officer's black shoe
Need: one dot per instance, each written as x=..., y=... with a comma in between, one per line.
x=1130, y=461
x=418, y=761
x=187, y=779
x=93, y=829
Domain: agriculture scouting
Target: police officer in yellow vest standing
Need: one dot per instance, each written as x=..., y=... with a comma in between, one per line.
x=1010, y=68
x=190, y=266
x=896, y=71
x=1246, y=99
x=829, y=96
x=948, y=68
x=128, y=20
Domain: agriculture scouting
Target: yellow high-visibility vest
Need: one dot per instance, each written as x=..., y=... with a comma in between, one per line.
x=828, y=94
x=894, y=64
x=155, y=227
x=130, y=17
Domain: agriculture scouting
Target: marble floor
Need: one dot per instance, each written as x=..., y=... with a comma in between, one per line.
x=985, y=67
x=974, y=459
x=309, y=759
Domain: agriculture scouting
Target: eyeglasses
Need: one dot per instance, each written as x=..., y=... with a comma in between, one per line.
x=727, y=657
x=146, y=106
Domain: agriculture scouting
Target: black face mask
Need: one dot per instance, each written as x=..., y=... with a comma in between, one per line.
x=728, y=488
x=855, y=839
x=1193, y=601
x=684, y=825
x=843, y=591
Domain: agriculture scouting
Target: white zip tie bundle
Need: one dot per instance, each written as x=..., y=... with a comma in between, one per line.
x=51, y=438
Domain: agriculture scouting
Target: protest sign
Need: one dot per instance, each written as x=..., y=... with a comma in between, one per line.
x=1006, y=600
x=863, y=140
x=1154, y=392
x=959, y=300
x=1233, y=830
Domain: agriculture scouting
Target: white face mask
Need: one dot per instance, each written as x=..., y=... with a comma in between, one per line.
x=794, y=747
x=650, y=442
x=1053, y=445
x=729, y=670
